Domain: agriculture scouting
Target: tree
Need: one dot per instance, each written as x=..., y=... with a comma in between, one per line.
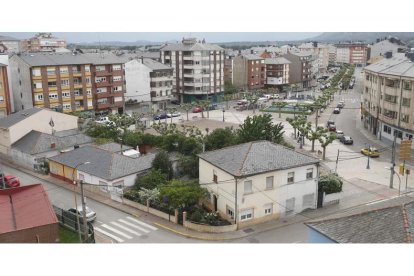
x=187, y=107
x=227, y=98
x=182, y=194
x=325, y=139
x=229, y=88
x=162, y=162
x=152, y=180
x=205, y=105
x=279, y=105
x=315, y=134
x=330, y=183
x=188, y=165
x=103, y=131
x=253, y=102
x=260, y=127
x=220, y=138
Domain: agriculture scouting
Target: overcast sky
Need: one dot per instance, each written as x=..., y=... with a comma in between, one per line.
x=213, y=37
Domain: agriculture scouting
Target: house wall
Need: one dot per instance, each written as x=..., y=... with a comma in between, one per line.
x=21, y=84
x=239, y=72
x=260, y=198
x=41, y=234
x=137, y=77
x=5, y=60
x=128, y=180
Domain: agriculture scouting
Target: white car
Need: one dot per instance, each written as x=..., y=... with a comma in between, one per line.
x=339, y=134
x=104, y=121
x=262, y=99
x=174, y=114
x=275, y=96
x=90, y=215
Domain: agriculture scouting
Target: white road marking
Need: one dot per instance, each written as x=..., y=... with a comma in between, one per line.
x=100, y=221
x=108, y=234
x=133, y=225
x=125, y=228
x=116, y=231
x=382, y=200
x=142, y=223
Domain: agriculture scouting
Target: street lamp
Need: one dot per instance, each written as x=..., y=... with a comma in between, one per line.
x=223, y=113
x=399, y=180
x=369, y=152
x=83, y=203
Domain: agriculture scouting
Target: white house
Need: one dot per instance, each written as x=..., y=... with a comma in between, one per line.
x=259, y=181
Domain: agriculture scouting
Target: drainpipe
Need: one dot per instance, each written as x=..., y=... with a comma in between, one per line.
x=236, y=213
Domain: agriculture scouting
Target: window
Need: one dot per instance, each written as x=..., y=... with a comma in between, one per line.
x=101, y=90
x=309, y=173
x=1, y=99
x=269, y=182
x=406, y=102
x=215, y=176
x=75, y=69
x=230, y=211
x=65, y=94
x=64, y=82
x=308, y=201
x=268, y=208
x=39, y=97
x=117, y=78
x=116, y=67
x=51, y=71
x=53, y=96
x=36, y=72
x=248, y=187
x=87, y=68
x=51, y=83
x=290, y=206
x=390, y=114
x=66, y=106
x=398, y=133
x=407, y=85
x=387, y=129
x=405, y=118
x=117, y=88
x=77, y=93
x=88, y=91
x=88, y=80
x=102, y=101
x=246, y=214
x=291, y=178
x=100, y=79
x=37, y=85
x=64, y=70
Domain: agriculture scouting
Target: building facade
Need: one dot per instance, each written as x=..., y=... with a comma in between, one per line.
x=321, y=55
x=5, y=103
x=388, y=45
x=43, y=42
x=198, y=69
x=9, y=45
x=388, y=105
x=277, y=72
x=252, y=183
x=148, y=81
x=300, y=68
x=68, y=82
x=249, y=72
x=352, y=53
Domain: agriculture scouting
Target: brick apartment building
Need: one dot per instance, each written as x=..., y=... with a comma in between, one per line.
x=43, y=42
x=352, y=53
x=249, y=72
x=277, y=72
x=300, y=72
x=68, y=82
x=5, y=105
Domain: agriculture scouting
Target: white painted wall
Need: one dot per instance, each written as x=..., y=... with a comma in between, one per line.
x=137, y=77
x=91, y=179
x=260, y=197
x=5, y=60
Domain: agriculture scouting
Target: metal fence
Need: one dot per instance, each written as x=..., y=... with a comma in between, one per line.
x=68, y=219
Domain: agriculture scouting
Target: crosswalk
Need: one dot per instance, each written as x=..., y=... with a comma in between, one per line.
x=124, y=229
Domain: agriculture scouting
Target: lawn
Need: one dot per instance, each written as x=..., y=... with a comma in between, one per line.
x=68, y=236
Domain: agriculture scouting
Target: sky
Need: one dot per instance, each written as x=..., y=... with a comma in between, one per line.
x=212, y=37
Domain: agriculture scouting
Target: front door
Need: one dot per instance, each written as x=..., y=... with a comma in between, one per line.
x=215, y=202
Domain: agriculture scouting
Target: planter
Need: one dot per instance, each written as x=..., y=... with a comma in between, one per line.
x=329, y=199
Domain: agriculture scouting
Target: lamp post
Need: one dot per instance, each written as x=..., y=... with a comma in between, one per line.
x=399, y=180
x=83, y=203
x=223, y=113
x=369, y=152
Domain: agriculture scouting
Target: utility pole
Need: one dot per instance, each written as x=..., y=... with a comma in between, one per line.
x=337, y=160
x=235, y=204
x=85, y=223
x=393, y=161
x=369, y=152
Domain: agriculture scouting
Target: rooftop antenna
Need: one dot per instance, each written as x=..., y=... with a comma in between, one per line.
x=100, y=46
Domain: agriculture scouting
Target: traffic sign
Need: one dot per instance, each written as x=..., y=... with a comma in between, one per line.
x=405, y=150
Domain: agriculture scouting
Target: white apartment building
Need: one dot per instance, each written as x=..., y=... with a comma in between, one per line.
x=198, y=69
x=388, y=106
x=321, y=55
x=259, y=181
x=148, y=81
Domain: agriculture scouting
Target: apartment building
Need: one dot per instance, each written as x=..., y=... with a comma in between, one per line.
x=352, y=53
x=332, y=53
x=249, y=72
x=379, y=48
x=388, y=104
x=5, y=104
x=321, y=53
x=228, y=69
x=277, y=72
x=198, y=69
x=43, y=42
x=9, y=44
x=68, y=82
x=148, y=81
x=300, y=68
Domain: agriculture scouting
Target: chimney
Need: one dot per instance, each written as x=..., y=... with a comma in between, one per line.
x=388, y=54
x=52, y=145
x=315, y=44
x=251, y=52
x=142, y=59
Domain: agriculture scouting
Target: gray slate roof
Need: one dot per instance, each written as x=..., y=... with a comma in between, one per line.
x=104, y=164
x=278, y=60
x=398, y=65
x=252, y=57
x=8, y=38
x=36, y=142
x=192, y=47
x=17, y=117
x=113, y=147
x=255, y=158
x=155, y=65
x=392, y=224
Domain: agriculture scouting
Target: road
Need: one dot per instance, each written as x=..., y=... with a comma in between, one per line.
x=112, y=224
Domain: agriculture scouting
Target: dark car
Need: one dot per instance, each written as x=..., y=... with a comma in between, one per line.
x=175, y=102
x=330, y=122
x=337, y=110
x=346, y=140
x=161, y=116
x=332, y=127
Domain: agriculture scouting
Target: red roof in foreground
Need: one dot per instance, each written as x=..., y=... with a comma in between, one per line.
x=25, y=207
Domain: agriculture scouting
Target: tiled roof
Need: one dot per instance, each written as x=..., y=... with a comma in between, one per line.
x=155, y=65
x=36, y=142
x=103, y=163
x=113, y=147
x=252, y=57
x=398, y=65
x=278, y=60
x=17, y=117
x=255, y=158
x=192, y=47
x=393, y=223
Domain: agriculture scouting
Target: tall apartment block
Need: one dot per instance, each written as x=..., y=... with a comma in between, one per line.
x=277, y=72
x=68, y=82
x=352, y=53
x=300, y=68
x=249, y=72
x=5, y=105
x=43, y=42
x=198, y=69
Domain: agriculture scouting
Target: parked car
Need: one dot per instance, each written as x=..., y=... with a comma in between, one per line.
x=104, y=121
x=336, y=110
x=197, y=109
x=242, y=102
x=342, y=103
x=268, y=96
x=213, y=106
x=277, y=96
x=11, y=181
x=90, y=215
x=174, y=114
x=177, y=102
x=329, y=122
x=160, y=116
x=332, y=127
x=346, y=140
x=339, y=134
x=371, y=152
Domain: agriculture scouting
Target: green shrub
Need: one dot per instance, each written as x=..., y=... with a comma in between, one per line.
x=330, y=183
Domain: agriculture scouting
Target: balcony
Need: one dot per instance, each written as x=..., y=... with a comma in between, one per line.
x=118, y=83
x=160, y=98
x=64, y=75
x=51, y=101
x=103, y=84
x=79, y=97
x=76, y=73
x=52, y=88
x=102, y=105
x=78, y=85
x=102, y=73
x=116, y=94
x=102, y=95
x=36, y=77
x=38, y=90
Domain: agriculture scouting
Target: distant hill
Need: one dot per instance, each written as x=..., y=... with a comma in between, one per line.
x=366, y=36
